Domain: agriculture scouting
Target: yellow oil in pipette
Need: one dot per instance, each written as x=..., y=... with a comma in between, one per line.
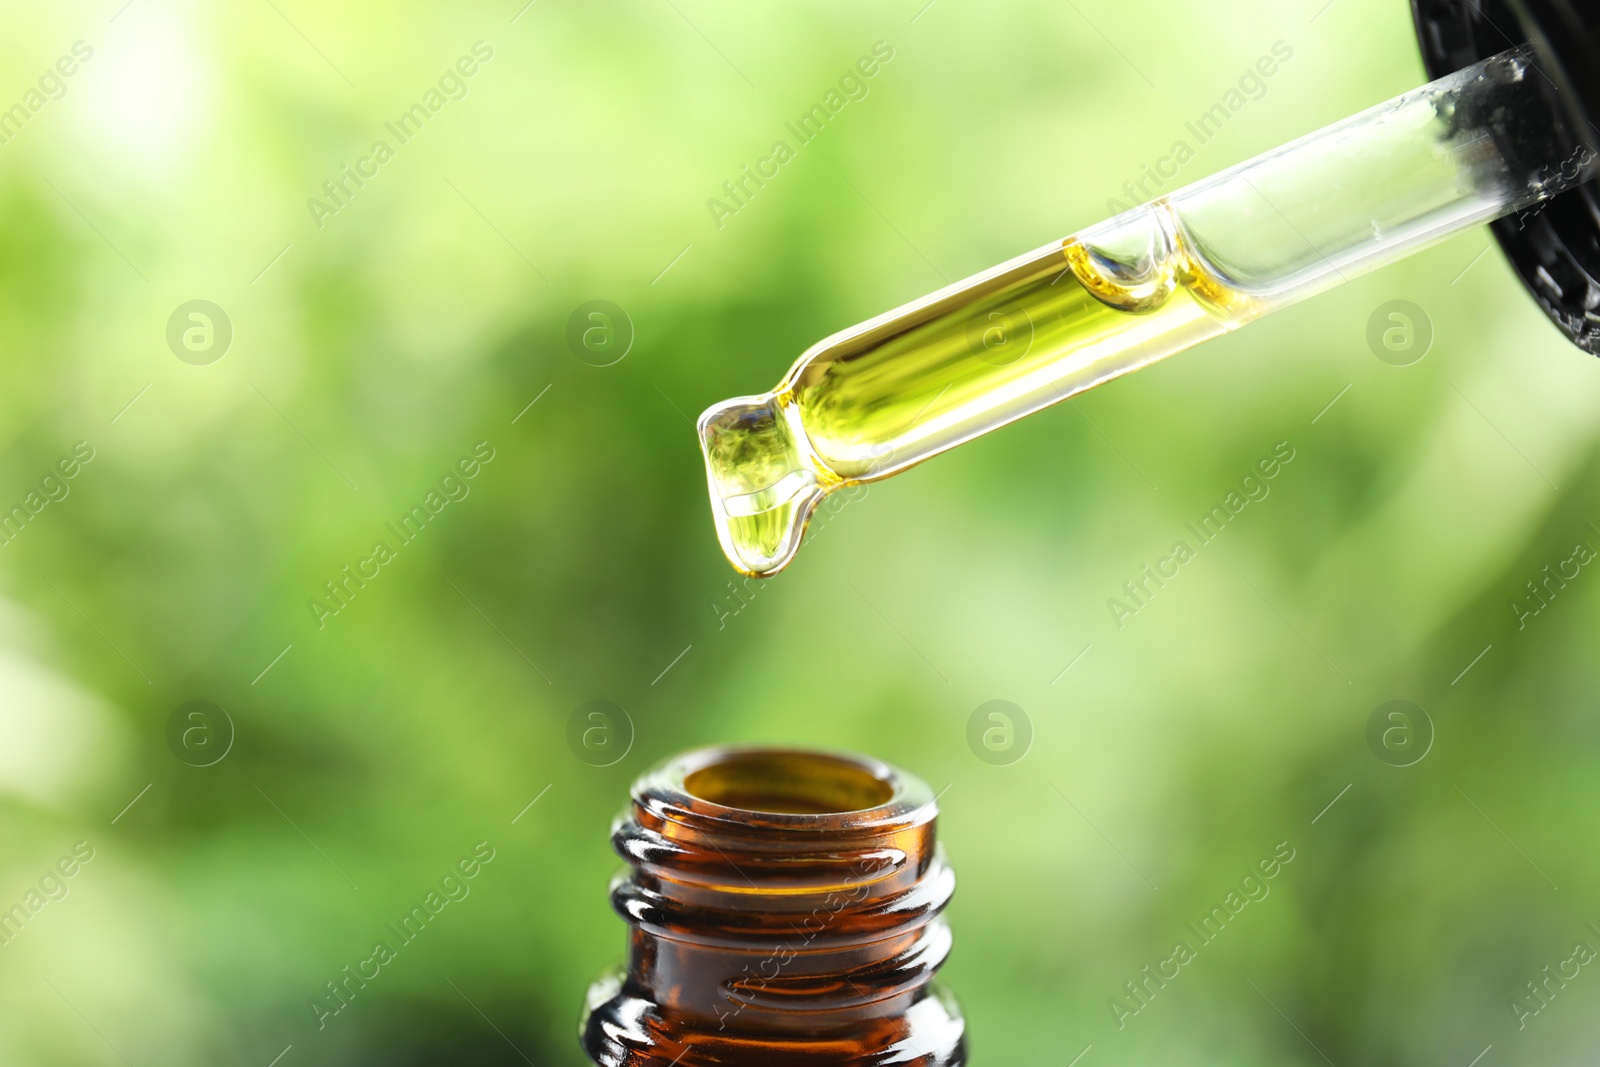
x=898, y=389
x=894, y=391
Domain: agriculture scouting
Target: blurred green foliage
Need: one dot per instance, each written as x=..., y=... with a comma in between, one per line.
x=372, y=352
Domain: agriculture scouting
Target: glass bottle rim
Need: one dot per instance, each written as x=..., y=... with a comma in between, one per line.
x=877, y=796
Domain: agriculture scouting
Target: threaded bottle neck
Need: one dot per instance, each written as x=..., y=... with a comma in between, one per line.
x=781, y=903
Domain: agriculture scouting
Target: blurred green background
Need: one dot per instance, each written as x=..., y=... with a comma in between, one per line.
x=371, y=353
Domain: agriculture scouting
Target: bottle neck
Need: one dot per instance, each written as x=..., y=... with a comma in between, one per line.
x=797, y=931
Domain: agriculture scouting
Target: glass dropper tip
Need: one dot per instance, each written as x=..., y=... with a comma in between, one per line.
x=764, y=481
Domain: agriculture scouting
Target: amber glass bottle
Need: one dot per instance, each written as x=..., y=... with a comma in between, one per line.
x=785, y=911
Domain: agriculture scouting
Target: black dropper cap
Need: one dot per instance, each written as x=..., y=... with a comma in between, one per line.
x=1556, y=250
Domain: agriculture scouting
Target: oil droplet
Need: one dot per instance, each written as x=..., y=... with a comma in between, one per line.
x=764, y=484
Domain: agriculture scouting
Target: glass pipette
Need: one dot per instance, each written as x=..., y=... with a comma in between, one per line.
x=873, y=400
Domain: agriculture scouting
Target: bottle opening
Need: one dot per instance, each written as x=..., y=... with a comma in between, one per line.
x=789, y=783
